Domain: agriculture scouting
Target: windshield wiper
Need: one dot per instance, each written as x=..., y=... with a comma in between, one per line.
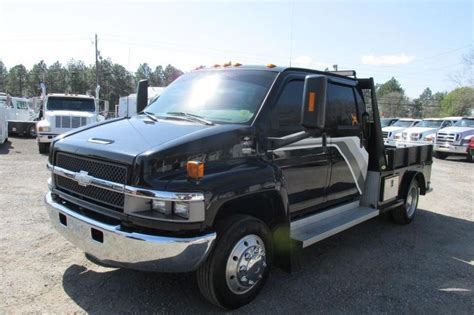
x=150, y=115
x=191, y=117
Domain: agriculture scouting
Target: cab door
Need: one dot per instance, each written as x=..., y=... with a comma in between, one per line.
x=304, y=164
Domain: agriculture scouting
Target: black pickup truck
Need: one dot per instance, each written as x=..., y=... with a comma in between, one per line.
x=230, y=171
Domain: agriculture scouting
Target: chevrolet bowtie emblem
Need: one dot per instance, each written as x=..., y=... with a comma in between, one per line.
x=83, y=179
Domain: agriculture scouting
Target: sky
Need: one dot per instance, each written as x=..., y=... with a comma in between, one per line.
x=420, y=43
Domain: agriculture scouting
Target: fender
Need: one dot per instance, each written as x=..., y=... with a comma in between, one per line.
x=407, y=179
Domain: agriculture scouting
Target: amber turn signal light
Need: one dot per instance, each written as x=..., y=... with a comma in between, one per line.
x=195, y=169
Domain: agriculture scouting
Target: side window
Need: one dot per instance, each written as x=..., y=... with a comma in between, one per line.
x=446, y=123
x=342, y=110
x=286, y=114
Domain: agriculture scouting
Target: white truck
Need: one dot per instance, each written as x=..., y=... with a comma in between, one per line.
x=21, y=117
x=455, y=140
x=393, y=133
x=3, y=119
x=62, y=113
x=425, y=131
x=128, y=104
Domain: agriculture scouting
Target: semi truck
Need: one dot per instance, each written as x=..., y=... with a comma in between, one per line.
x=63, y=112
x=231, y=171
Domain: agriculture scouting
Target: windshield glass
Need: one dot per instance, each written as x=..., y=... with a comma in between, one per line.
x=403, y=123
x=387, y=122
x=465, y=123
x=430, y=123
x=71, y=103
x=219, y=96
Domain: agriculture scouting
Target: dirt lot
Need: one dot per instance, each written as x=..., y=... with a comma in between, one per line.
x=426, y=267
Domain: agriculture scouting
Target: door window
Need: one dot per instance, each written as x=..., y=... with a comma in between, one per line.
x=286, y=114
x=341, y=110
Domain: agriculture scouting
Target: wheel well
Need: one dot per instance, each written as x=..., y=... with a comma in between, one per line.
x=266, y=206
x=407, y=179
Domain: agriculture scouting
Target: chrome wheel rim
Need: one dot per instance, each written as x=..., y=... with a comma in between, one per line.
x=32, y=131
x=246, y=264
x=412, y=201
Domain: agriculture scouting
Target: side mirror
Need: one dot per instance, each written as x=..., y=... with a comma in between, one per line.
x=313, y=111
x=142, y=95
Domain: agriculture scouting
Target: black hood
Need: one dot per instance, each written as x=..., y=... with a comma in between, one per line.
x=123, y=140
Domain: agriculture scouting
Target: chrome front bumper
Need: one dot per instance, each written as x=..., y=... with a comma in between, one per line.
x=458, y=149
x=111, y=246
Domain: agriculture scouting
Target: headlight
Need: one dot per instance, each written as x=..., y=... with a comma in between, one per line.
x=181, y=209
x=44, y=128
x=430, y=137
x=398, y=136
x=161, y=206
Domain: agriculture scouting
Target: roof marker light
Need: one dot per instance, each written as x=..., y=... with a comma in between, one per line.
x=271, y=65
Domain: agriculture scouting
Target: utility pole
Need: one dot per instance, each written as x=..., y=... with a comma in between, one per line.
x=96, y=62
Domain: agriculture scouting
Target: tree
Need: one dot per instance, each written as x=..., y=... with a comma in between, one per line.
x=391, y=99
x=422, y=104
x=3, y=77
x=466, y=75
x=56, y=78
x=144, y=72
x=36, y=75
x=17, y=81
x=459, y=102
x=122, y=83
x=170, y=74
x=78, y=79
x=158, y=77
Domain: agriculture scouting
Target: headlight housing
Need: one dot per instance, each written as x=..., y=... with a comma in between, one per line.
x=430, y=137
x=44, y=128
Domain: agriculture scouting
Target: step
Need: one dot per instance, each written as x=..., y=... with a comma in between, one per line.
x=313, y=229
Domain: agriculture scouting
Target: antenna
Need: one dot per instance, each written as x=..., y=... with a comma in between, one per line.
x=291, y=29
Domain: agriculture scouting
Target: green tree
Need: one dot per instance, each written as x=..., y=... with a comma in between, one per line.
x=122, y=83
x=78, y=77
x=144, y=72
x=170, y=74
x=17, y=81
x=56, y=78
x=422, y=105
x=158, y=77
x=3, y=77
x=37, y=74
x=458, y=102
x=391, y=99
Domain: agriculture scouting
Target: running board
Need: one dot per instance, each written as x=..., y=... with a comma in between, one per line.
x=313, y=229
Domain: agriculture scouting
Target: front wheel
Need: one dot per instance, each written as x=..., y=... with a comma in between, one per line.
x=32, y=131
x=405, y=213
x=440, y=155
x=239, y=264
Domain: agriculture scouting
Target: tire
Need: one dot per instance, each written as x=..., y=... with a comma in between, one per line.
x=32, y=131
x=469, y=157
x=43, y=148
x=440, y=155
x=239, y=243
x=406, y=213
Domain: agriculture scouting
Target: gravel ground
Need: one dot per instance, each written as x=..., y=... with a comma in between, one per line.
x=425, y=267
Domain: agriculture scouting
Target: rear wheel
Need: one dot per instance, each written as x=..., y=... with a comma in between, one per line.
x=405, y=213
x=469, y=156
x=43, y=148
x=238, y=266
x=32, y=131
x=440, y=155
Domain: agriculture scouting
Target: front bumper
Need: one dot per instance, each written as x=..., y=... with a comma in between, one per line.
x=112, y=246
x=448, y=148
x=405, y=143
x=45, y=137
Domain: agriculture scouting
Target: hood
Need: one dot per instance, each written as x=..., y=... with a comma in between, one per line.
x=420, y=130
x=455, y=129
x=123, y=140
x=68, y=113
x=392, y=129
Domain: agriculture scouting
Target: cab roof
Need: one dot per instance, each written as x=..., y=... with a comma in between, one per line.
x=69, y=95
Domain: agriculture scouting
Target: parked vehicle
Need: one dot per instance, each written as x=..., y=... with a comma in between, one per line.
x=3, y=118
x=388, y=121
x=21, y=117
x=455, y=140
x=128, y=104
x=393, y=133
x=229, y=172
x=470, y=150
x=425, y=131
x=62, y=113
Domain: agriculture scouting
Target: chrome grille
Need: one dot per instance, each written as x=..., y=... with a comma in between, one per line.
x=95, y=168
x=445, y=138
x=385, y=134
x=70, y=121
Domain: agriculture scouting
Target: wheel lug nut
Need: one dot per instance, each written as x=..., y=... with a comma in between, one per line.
x=244, y=279
x=251, y=282
x=243, y=268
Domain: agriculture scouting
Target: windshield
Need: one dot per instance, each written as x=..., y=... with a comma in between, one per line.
x=218, y=96
x=465, y=123
x=71, y=103
x=403, y=123
x=430, y=123
x=387, y=122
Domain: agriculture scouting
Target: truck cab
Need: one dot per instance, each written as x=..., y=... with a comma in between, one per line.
x=455, y=139
x=62, y=113
x=21, y=116
x=393, y=133
x=230, y=171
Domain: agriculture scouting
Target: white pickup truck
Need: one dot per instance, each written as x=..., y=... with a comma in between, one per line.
x=62, y=113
